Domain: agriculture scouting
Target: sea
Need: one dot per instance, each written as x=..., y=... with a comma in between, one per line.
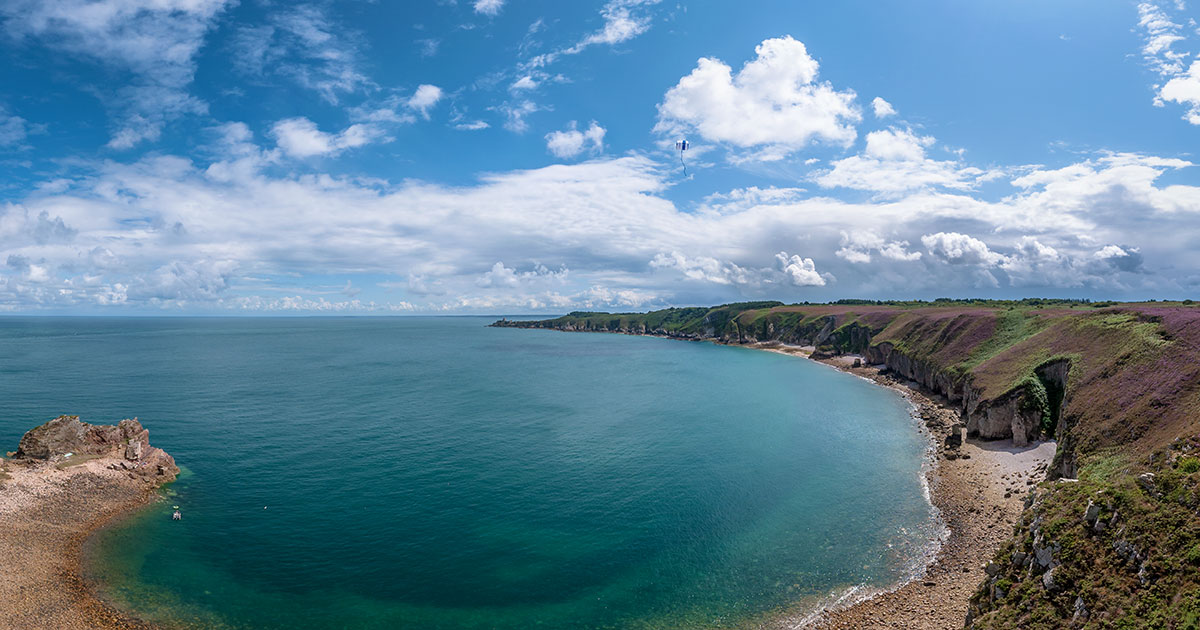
x=436, y=473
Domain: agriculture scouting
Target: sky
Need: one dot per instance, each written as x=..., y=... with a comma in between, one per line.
x=518, y=156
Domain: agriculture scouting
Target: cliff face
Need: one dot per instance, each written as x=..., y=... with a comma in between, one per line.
x=129, y=441
x=988, y=415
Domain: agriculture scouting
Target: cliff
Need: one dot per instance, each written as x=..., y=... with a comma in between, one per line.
x=1117, y=385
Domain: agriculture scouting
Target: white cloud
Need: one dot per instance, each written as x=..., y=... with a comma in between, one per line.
x=425, y=98
x=155, y=40
x=894, y=161
x=960, y=249
x=1161, y=34
x=858, y=245
x=300, y=137
x=471, y=125
x=571, y=142
x=1185, y=90
x=882, y=108
x=773, y=102
x=500, y=276
x=304, y=44
x=622, y=22
x=1182, y=83
x=429, y=46
x=235, y=234
x=788, y=270
x=515, y=114
x=741, y=199
x=524, y=83
x=13, y=129
x=489, y=7
x=801, y=271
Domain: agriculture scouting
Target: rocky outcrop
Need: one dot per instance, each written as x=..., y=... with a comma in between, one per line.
x=129, y=441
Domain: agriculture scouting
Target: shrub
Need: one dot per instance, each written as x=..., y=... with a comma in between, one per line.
x=1193, y=554
x=1189, y=465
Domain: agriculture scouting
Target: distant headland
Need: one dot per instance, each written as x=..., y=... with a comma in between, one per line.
x=1108, y=533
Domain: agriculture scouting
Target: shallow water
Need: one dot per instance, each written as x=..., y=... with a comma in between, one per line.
x=434, y=473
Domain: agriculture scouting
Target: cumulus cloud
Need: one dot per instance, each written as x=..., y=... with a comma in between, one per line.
x=425, y=98
x=300, y=137
x=789, y=270
x=882, y=108
x=960, y=249
x=894, y=161
x=802, y=272
x=773, y=102
x=571, y=142
x=164, y=230
x=1184, y=89
x=858, y=245
x=1121, y=258
x=489, y=7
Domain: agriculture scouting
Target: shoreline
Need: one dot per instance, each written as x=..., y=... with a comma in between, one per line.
x=977, y=491
x=50, y=506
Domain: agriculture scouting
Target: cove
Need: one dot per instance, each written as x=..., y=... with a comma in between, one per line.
x=435, y=473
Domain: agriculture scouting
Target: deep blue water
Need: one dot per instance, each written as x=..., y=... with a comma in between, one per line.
x=434, y=473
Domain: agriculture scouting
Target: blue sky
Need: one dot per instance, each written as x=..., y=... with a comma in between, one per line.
x=501, y=156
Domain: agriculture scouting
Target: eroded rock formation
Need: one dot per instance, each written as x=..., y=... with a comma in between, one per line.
x=128, y=441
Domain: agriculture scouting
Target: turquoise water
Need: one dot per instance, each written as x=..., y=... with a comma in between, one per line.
x=434, y=473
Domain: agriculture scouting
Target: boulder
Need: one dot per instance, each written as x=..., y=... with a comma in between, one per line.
x=1048, y=580
x=1091, y=513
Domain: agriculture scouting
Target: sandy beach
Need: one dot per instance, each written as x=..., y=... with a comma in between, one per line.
x=979, y=488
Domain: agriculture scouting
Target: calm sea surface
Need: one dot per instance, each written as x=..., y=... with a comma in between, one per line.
x=434, y=473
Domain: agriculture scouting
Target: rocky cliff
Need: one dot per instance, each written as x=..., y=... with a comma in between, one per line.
x=66, y=437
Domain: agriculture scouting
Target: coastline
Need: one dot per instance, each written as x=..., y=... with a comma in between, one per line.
x=978, y=490
x=50, y=505
x=978, y=496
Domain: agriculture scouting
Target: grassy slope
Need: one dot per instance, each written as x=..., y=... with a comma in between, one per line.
x=1132, y=405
